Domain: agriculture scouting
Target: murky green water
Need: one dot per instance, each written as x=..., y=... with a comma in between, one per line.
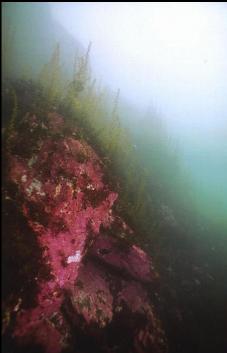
x=173, y=176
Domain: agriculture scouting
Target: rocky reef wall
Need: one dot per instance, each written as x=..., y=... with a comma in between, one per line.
x=81, y=282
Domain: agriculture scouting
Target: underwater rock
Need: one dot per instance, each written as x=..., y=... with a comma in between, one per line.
x=112, y=311
x=96, y=288
x=130, y=261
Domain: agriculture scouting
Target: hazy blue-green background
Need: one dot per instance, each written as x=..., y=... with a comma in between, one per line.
x=172, y=57
x=168, y=60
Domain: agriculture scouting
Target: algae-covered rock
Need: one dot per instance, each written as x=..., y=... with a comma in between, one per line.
x=93, y=297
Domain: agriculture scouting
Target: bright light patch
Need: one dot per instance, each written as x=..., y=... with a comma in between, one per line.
x=152, y=51
x=74, y=258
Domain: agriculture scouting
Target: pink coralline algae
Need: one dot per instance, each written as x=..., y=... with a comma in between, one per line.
x=97, y=283
x=134, y=262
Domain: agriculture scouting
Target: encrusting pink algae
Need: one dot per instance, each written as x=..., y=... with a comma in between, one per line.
x=96, y=286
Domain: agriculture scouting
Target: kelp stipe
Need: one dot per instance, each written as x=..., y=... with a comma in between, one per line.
x=51, y=79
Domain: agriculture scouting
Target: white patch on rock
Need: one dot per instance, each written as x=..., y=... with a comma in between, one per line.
x=43, y=126
x=32, y=161
x=90, y=187
x=17, y=307
x=74, y=258
x=57, y=190
x=35, y=186
x=24, y=178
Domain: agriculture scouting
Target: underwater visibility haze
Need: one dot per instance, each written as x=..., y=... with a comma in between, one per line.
x=114, y=169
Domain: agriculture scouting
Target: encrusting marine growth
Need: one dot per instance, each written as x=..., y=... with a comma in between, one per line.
x=95, y=296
